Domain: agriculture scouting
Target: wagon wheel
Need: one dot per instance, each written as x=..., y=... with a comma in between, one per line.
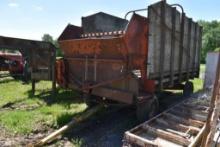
x=89, y=100
x=188, y=89
x=148, y=109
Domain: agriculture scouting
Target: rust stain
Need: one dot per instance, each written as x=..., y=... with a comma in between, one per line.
x=131, y=47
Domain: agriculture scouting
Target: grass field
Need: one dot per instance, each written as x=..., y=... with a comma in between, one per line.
x=198, y=82
x=26, y=111
x=22, y=113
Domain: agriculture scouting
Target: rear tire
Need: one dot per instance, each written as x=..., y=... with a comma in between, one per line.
x=188, y=89
x=148, y=109
x=89, y=100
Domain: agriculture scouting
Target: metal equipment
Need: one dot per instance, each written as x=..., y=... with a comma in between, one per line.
x=12, y=62
x=129, y=61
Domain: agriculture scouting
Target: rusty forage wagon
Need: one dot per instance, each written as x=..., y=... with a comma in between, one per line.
x=112, y=59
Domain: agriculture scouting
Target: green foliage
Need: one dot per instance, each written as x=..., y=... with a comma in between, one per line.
x=49, y=38
x=217, y=49
x=210, y=38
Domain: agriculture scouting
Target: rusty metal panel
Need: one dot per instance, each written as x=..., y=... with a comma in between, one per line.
x=96, y=61
x=102, y=22
x=71, y=32
x=114, y=94
x=137, y=45
x=105, y=70
x=113, y=48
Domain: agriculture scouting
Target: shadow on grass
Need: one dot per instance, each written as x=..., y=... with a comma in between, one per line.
x=6, y=80
x=62, y=96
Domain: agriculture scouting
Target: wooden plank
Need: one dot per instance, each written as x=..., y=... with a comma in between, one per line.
x=167, y=135
x=68, y=126
x=197, y=139
x=190, y=122
x=177, y=126
x=179, y=112
x=130, y=137
x=195, y=107
x=33, y=86
x=171, y=127
x=53, y=72
x=194, y=111
x=202, y=106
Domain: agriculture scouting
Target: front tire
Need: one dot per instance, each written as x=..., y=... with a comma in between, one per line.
x=147, y=109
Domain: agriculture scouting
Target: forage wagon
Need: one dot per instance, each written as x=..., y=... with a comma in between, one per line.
x=116, y=60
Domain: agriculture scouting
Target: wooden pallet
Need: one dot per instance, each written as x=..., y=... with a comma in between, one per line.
x=181, y=125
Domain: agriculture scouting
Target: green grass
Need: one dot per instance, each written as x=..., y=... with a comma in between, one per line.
x=19, y=121
x=38, y=109
x=198, y=82
x=51, y=111
x=202, y=68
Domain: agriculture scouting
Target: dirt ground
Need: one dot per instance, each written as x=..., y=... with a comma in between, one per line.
x=106, y=129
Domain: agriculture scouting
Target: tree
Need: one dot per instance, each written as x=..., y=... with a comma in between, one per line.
x=49, y=38
x=210, y=38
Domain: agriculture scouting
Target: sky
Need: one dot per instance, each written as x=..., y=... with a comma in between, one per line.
x=30, y=19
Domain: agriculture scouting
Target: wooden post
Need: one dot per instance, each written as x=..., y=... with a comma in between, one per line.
x=53, y=70
x=33, y=86
x=213, y=114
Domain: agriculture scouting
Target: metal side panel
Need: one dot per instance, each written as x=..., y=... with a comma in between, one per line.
x=114, y=94
x=161, y=42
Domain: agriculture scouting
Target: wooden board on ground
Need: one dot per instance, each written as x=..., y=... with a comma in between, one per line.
x=181, y=125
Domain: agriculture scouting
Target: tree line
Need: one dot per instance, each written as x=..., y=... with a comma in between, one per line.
x=210, y=38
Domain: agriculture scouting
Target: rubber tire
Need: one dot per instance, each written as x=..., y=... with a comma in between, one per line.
x=147, y=110
x=89, y=100
x=188, y=89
